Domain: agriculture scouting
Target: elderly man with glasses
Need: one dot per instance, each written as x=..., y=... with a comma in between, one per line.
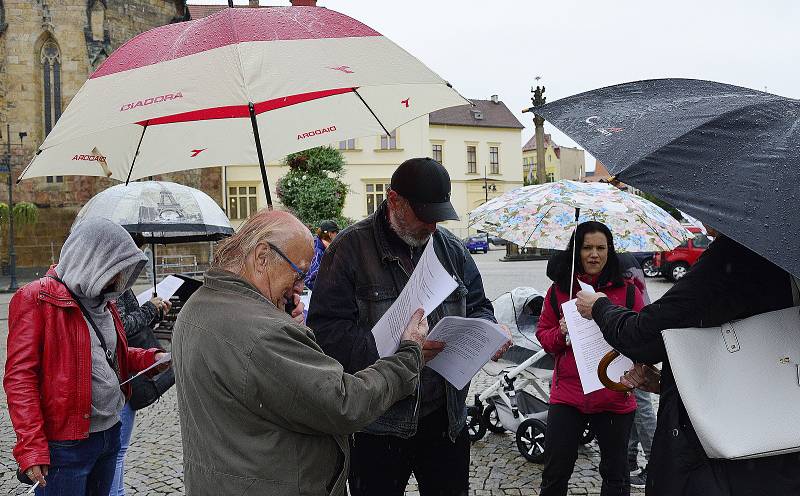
x=262, y=409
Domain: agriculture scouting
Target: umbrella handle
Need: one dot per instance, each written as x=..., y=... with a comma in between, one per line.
x=602, y=373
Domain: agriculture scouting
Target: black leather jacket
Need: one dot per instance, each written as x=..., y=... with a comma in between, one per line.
x=360, y=277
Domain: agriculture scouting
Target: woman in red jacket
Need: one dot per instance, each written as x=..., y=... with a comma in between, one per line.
x=67, y=355
x=609, y=413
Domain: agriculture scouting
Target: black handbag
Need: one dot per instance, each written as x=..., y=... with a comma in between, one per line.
x=147, y=390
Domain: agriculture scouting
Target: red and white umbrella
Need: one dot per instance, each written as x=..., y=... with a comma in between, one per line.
x=237, y=87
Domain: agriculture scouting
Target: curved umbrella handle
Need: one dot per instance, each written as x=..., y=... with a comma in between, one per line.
x=602, y=373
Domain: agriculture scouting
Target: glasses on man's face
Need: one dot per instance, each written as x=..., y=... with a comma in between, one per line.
x=301, y=275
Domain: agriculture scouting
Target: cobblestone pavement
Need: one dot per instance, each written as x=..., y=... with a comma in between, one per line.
x=154, y=461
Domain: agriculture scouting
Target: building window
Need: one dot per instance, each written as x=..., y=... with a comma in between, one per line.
x=349, y=144
x=550, y=177
x=389, y=141
x=242, y=202
x=50, y=58
x=437, y=153
x=376, y=192
x=494, y=160
x=472, y=160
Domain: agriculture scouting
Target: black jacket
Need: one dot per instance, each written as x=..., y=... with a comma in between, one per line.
x=728, y=282
x=362, y=273
x=138, y=322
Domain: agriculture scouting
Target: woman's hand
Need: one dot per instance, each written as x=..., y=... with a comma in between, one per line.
x=506, y=346
x=644, y=377
x=164, y=366
x=37, y=473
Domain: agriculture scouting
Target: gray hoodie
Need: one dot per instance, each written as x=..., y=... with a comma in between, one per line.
x=95, y=254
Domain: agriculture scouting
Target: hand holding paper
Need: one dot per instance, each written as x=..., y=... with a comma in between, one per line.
x=163, y=359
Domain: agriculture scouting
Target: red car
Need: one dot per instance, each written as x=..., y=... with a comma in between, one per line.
x=676, y=263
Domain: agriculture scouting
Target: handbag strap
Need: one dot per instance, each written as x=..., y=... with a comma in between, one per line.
x=109, y=354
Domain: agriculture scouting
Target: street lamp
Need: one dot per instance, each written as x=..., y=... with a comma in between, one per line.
x=12, y=254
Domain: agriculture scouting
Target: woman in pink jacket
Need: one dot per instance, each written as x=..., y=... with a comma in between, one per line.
x=609, y=413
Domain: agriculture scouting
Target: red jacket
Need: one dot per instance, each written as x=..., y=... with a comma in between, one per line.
x=48, y=377
x=566, y=388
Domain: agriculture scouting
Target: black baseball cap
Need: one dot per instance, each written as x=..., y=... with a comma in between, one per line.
x=329, y=226
x=425, y=183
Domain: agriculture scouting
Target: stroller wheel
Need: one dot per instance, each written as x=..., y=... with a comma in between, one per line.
x=587, y=436
x=492, y=420
x=530, y=440
x=474, y=425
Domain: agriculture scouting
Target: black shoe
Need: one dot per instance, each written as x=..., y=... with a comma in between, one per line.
x=634, y=469
x=639, y=480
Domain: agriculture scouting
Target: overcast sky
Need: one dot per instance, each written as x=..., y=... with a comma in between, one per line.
x=499, y=47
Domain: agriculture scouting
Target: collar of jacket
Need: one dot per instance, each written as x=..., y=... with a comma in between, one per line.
x=380, y=227
x=54, y=292
x=223, y=280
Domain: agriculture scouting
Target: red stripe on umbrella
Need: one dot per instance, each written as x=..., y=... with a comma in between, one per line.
x=242, y=111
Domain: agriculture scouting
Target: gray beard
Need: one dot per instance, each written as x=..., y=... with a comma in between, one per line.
x=408, y=238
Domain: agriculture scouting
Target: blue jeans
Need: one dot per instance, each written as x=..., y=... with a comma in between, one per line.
x=644, y=426
x=127, y=416
x=83, y=466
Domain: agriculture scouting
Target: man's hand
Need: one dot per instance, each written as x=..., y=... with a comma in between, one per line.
x=562, y=326
x=430, y=349
x=37, y=473
x=417, y=329
x=163, y=366
x=297, y=314
x=642, y=376
x=499, y=353
x=586, y=301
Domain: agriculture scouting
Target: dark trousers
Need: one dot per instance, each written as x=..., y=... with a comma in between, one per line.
x=382, y=465
x=84, y=466
x=565, y=425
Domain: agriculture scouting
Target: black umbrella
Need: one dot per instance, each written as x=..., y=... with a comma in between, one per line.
x=727, y=155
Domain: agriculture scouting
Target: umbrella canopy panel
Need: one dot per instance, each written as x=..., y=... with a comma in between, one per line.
x=543, y=216
x=181, y=94
x=724, y=154
x=160, y=212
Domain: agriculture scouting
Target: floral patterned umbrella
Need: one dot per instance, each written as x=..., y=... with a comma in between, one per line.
x=543, y=216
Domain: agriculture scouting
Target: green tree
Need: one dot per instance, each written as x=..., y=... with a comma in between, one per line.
x=666, y=206
x=25, y=213
x=313, y=188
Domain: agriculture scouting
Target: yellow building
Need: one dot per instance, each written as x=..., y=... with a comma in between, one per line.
x=479, y=146
x=561, y=162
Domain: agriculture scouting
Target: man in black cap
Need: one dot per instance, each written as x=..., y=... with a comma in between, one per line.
x=361, y=275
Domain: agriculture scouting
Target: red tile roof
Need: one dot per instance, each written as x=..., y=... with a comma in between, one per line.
x=548, y=140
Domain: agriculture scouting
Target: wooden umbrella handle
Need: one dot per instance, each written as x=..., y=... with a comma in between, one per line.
x=602, y=373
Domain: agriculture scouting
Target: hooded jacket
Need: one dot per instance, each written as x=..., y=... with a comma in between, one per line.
x=57, y=381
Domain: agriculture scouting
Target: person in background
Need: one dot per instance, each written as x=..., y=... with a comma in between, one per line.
x=326, y=232
x=362, y=273
x=139, y=322
x=67, y=355
x=610, y=414
x=262, y=409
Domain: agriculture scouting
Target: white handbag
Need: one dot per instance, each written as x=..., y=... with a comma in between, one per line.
x=740, y=383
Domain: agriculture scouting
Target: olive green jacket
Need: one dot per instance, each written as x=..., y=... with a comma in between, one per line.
x=262, y=409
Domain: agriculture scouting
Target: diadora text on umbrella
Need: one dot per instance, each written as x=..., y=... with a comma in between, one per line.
x=151, y=100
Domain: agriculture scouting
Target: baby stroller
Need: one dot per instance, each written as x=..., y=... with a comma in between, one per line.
x=505, y=405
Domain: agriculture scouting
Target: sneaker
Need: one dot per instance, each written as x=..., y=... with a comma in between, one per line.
x=634, y=469
x=639, y=480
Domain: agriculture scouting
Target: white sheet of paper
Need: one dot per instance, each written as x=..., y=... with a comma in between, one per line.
x=585, y=287
x=306, y=299
x=165, y=289
x=427, y=288
x=164, y=359
x=470, y=343
x=589, y=347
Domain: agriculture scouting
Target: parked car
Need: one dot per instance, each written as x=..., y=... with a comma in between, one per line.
x=645, y=259
x=476, y=243
x=676, y=263
x=497, y=241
